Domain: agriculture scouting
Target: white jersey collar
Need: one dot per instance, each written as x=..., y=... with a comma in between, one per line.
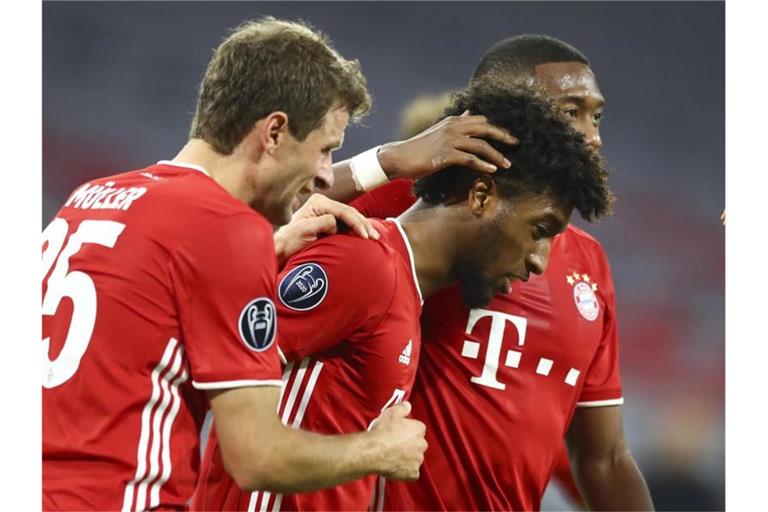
x=410, y=255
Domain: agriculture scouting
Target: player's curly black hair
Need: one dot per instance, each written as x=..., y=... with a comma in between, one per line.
x=551, y=157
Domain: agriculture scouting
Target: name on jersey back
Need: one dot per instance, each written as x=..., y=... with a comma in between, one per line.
x=105, y=197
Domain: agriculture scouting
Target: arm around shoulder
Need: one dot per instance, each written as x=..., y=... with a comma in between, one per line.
x=259, y=452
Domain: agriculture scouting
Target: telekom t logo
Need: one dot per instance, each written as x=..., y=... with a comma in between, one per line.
x=471, y=349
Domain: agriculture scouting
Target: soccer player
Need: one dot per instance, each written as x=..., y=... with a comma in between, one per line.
x=158, y=290
x=500, y=386
x=418, y=115
x=349, y=308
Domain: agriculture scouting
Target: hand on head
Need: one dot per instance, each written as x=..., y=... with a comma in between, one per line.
x=456, y=140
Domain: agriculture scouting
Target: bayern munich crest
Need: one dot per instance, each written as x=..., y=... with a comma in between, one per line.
x=584, y=295
x=258, y=323
x=304, y=287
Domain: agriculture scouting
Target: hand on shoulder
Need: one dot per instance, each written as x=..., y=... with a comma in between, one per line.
x=318, y=216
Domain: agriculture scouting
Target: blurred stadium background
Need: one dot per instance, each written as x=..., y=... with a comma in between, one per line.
x=119, y=86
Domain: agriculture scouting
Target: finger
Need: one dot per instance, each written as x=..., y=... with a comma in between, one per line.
x=478, y=126
x=322, y=225
x=468, y=160
x=484, y=151
x=360, y=223
x=466, y=117
x=402, y=409
x=354, y=219
x=319, y=205
x=307, y=209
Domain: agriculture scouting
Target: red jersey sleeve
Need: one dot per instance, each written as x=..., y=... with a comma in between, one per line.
x=224, y=277
x=336, y=289
x=388, y=200
x=602, y=385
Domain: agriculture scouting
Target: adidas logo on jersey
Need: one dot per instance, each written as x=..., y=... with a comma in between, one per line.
x=405, y=355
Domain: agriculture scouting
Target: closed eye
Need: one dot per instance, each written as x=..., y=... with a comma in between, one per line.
x=542, y=231
x=571, y=112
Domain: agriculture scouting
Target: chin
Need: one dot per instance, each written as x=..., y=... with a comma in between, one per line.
x=475, y=296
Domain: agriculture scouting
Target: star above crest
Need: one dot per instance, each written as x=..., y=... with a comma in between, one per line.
x=575, y=277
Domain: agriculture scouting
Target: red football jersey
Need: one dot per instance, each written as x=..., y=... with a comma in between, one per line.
x=157, y=285
x=349, y=330
x=497, y=386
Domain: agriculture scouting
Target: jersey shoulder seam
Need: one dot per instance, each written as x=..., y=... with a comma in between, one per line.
x=586, y=237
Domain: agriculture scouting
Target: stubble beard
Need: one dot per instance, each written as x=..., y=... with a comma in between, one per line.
x=477, y=289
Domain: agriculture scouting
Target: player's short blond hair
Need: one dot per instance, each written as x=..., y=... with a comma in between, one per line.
x=271, y=65
x=423, y=112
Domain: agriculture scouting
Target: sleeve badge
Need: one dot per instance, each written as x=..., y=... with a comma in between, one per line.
x=584, y=295
x=258, y=323
x=304, y=287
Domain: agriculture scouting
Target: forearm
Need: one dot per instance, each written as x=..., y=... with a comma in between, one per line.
x=456, y=140
x=612, y=482
x=259, y=452
x=302, y=461
x=344, y=189
x=374, y=167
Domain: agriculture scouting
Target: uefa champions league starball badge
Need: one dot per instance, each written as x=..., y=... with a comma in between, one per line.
x=584, y=295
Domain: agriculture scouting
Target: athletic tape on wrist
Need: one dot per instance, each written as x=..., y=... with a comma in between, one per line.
x=366, y=170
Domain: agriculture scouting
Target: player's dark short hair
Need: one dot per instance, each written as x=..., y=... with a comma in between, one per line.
x=518, y=56
x=551, y=157
x=273, y=65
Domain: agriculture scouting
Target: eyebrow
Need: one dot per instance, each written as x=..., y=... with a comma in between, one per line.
x=555, y=221
x=582, y=98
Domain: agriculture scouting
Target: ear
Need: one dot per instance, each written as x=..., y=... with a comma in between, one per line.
x=271, y=131
x=483, y=196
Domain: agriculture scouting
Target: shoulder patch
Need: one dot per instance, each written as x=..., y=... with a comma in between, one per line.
x=258, y=323
x=304, y=287
x=584, y=288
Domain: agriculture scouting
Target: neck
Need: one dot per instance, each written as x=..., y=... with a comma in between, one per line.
x=434, y=253
x=229, y=171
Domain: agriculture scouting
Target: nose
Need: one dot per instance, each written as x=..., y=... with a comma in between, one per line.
x=592, y=135
x=324, y=178
x=537, y=261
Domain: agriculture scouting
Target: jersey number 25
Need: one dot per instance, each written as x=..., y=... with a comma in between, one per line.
x=76, y=285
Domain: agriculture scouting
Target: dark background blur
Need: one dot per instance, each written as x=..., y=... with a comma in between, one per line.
x=119, y=87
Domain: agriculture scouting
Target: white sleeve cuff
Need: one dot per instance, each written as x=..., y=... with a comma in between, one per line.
x=226, y=384
x=366, y=170
x=601, y=403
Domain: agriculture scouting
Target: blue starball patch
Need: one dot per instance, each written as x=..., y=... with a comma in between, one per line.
x=258, y=324
x=304, y=287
